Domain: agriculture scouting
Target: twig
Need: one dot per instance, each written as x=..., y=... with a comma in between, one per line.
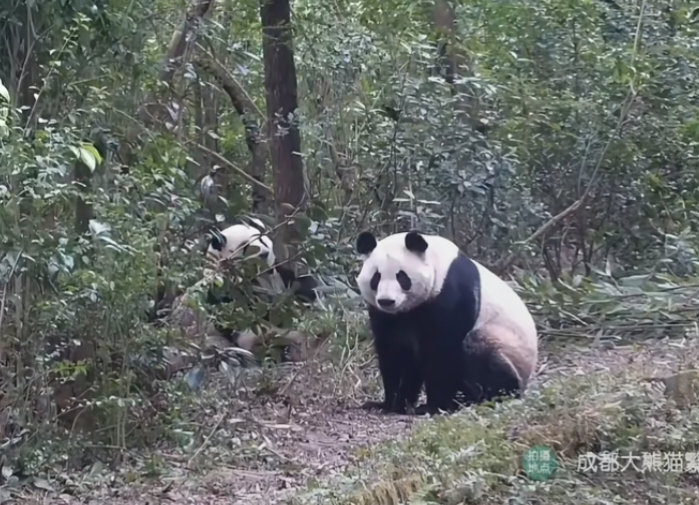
x=209, y=61
x=296, y=373
x=4, y=289
x=207, y=439
x=232, y=166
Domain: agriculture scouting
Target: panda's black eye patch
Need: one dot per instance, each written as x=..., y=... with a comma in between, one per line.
x=374, y=283
x=404, y=281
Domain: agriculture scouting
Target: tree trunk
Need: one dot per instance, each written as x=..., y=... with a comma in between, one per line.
x=444, y=19
x=82, y=177
x=155, y=111
x=453, y=61
x=285, y=139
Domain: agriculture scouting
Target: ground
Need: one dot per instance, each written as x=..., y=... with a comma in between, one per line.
x=301, y=435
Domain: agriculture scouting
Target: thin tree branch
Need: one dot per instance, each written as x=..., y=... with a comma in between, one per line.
x=178, y=44
x=233, y=166
x=246, y=109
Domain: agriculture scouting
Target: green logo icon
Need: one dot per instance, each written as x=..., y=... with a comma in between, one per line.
x=539, y=462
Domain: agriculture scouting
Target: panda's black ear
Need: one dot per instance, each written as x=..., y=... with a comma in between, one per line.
x=218, y=240
x=415, y=242
x=366, y=242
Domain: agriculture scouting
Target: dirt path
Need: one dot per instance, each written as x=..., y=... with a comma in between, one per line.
x=260, y=447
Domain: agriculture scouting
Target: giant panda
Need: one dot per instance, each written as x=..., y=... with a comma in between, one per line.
x=251, y=240
x=440, y=318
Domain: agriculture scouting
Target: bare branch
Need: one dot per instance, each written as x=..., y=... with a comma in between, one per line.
x=234, y=167
x=178, y=44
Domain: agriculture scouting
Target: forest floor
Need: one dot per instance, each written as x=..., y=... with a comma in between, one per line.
x=300, y=434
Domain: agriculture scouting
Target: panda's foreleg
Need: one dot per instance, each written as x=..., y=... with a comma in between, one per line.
x=389, y=368
x=443, y=371
x=398, y=365
x=389, y=363
x=400, y=377
x=410, y=385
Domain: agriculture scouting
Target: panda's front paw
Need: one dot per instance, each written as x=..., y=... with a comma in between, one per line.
x=383, y=407
x=374, y=405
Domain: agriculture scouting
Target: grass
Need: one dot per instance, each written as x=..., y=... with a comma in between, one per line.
x=476, y=456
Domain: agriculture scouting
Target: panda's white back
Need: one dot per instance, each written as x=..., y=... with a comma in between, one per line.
x=500, y=300
x=500, y=304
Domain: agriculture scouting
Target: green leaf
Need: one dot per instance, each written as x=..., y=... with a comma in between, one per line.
x=93, y=150
x=87, y=158
x=87, y=154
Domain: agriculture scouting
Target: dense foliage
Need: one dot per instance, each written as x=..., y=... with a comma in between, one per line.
x=579, y=116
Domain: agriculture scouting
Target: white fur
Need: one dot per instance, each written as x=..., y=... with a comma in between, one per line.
x=500, y=303
x=426, y=273
x=237, y=237
x=501, y=306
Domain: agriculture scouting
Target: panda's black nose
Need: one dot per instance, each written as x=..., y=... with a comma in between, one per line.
x=386, y=302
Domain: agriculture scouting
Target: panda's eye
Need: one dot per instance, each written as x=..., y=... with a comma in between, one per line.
x=404, y=281
x=374, y=283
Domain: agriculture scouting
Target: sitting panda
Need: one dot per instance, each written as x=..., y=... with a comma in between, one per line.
x=442, y=319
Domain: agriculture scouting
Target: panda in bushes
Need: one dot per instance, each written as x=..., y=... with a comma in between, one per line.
x=249, y=240
x=443, y=320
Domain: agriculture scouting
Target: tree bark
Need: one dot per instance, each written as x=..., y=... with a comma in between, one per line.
x=281, y=97
x=154, y=112
x=444, y=19
x=181, y=39
x=83, y=209
x=452, y=61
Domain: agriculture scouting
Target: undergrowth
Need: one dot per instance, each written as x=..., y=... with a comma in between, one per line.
x=634, y=400
x=477, y=456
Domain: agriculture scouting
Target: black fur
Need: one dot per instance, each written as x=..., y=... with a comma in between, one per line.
x=302, y=286
x=366, y=242
x=397, y=347
x=218, y=240
x=415, y=242
x=435, y=344
x=487, y=374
